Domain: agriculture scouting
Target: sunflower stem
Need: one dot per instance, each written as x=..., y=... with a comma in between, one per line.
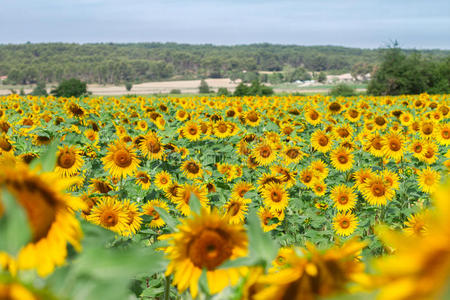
x=167, y=288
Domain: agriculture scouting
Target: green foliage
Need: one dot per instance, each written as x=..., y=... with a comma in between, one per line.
x=255, y=89
x=400, y=74
x=128, y=86
x=119, y=63
x=322, y=78
x=39, y=90
x=70, y=88
x=175, y=91
x=204, y=87
x=223, y=92
x=342, y=89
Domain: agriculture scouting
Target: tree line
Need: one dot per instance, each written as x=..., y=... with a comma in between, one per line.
x=118, y=63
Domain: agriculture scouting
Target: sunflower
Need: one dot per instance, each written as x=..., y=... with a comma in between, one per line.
x=191, y=131
x=50, y=216
x=264, y=154
x=406, y=119
x=5, y=144
x=149, y=209
x=345, y=223
x=110, y=214
x=205, y=242
x=143, y=180
x=252, y=118
x=68, y=161
x=269, y=219
x=163, y=180
x=181, y=115
x=192, y=169
x=235, y=209
x=313, y=273
x=391, y=178
x=343, y=197
x=184, y=196
x=275, y=196
x=334, y=107
x=319, y=188
x=151, y=146
x=221, y=129
x=292, y=154
x=353, y=115
x=141, y=125
x=375, y=145
x=16, y=291
x=416, y=224
x=320, y=169
x=393, y=145
x=416, y=148
x=312, y=116
x=341, y=159
x=134, y=217
x=427, y=130
x=428, y=180
x=240, y=189
x=343, y=132
x=100, y=186
x=376, y=191
x=121, y=160
x=430, y=152
x=443, y=134
x=307, y=177
x=91, y=135
x=321, y=141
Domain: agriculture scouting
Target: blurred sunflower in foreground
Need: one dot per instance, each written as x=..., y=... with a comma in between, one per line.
x=50, y=215
x=419, y=267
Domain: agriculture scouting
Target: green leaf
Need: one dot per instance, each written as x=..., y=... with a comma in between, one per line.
x=15, y=231
x=261, y=245
x=194, y=204
x=171, y=222
x=203, y=282
x=47, y=160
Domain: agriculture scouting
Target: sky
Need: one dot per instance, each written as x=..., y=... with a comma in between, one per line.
x=421, y=24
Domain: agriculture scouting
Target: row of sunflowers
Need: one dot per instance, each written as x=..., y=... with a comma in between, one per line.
x=225, y=198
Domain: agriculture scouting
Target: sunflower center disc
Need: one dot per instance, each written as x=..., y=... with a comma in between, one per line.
x=210, y=249
x=342, y=159
x=345, y=224
x=323, y=141
x=122, y=158
x=66, y=160
x=378, y=190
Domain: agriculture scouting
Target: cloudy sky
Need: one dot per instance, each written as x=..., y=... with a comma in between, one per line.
x=355, y=23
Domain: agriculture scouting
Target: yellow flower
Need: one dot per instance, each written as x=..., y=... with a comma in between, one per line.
x=341, y=159
x=377, y=191
x=428, y=180
x=275, y=196
x=149, y=209
x=50, y=217
x=184, y=195
x=68, y=161
x=205, y=241
x=345, y=223
x=110, y=214
x=192, y=169
x=121, y=160
x=343, y=197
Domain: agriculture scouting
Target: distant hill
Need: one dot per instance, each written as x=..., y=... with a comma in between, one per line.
x=118, y=63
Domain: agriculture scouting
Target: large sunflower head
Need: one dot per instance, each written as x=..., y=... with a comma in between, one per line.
x=110, y=214
x=345, y=223
x=68, y=161
x=341, y=159
x=205, y=242
x=264, y=154
x=428, y=180
x=151, y=146
x=377, y=191
x=235, y=209
x=121, y=160
x=343, y=197
x=192, y=169
x=321, y=141
x=143, y=180
x=50, y=216
x=275, y=196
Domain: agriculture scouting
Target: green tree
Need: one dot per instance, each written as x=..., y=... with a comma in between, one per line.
x=71, y=87
x=39, y=90
x=128, y=86
x=223, y=92
x=322, y=78
x=204, y=87
x=343, y=90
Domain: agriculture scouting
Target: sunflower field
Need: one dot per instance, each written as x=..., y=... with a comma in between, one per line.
x=293, y=197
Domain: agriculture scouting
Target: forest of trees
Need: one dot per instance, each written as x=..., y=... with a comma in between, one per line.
x=120, y=63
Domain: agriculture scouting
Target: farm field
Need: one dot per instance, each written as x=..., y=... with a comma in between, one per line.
x=224, y=197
